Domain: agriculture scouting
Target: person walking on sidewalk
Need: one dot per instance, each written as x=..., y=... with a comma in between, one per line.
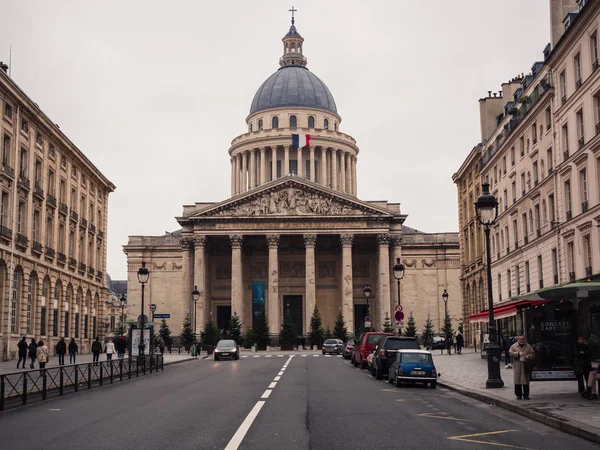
x=73, y=350
x=121, y=347
x=110, y=349
x=23, y=347
x=96, y=350
x=593, y=379
x=460, y=342
x=42, y=354
x=522, y=354
x=61, y=351
x=582, y=365
x=506, y=344
x=32, y=353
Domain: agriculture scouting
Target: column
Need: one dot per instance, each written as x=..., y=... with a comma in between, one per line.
x=324, y=166
x=232, y=176
x=187, y=245
x=313, y=175
x=355, y=188
x=300, y=165
x=238, y=173
x=310, y=240
x=334, y=185
x=244, y=185
x=286, y=160
x=252, y=168
x=237, y=284
x=383, y=291
x=348, y=172
x=396, y=242
x=274, y=162
x=263, y=165
x=273, y=303
x=347, y=283
x=202, y=305
x=342, y=171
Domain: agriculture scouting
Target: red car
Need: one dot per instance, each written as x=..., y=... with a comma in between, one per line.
x=365, y=345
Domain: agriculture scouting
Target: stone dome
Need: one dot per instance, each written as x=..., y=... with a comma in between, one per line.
x=293, y=86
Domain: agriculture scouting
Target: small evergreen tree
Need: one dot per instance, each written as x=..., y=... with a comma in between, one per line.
x=448, y=331
x=328, y=333
x=262, y=331
x=287, y=335
x=165, y=333
x=248, y=339
x=411, y=328
x=387, y=324
x=315, y=332
x=460, y=325
x=235, y=329
x=339, y=328
x=428, y=332
x=120, y=330
x=187, y=332
x=210, y=335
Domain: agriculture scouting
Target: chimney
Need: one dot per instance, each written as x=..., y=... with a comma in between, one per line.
x=3, y=67
x=494, y=95
x=489, y=93
x=500, y=94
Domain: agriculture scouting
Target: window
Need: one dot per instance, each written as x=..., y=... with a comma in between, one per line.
x=326, y=124
x=540, y=271
x=249, y=129
x=13, y=302
x=568, y=206
x=21, y=218
x=37, y=175
x=82, y=208
x=335, y=126
x=580, y=134
x=548, y=118
x=311, y=122
x=25, y=126
x=584, y=189
x=523, y=187
x=555, y=265
x=534, y=132
x=577, y=63
x=81, y=249
x=516, y=233
x=565, y=140
x=51, y=151
x=275, y=122
x=260, y=124
x=504, y=165
x=293, y=122
x=563, y=86
x=522, y=145
x=594, y=49
x=512, y=156
x=518, y=279
x=587, y=255
x=509, y=283
x=505, y=200
x=514, y=192
x=535, y=173
x=4, y=209
x=294, y=166
x=5, y=149
x=551, y=209
x=549, y=160
x=29, y=306
x=525, y=231
x=61, y=238
x=50, y=232
x=23, y=163
x=43, y=320
x=36, y=226
x=8, y=110
x=527, y=278
x=307, y=169
x=571, y=260
x=39, y=138
x=73, y=199
x=51, y=182
x=72, y=244
x=500, y=286
x=536, y=209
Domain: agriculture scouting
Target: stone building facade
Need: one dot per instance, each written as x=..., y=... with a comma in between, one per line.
x=294, y=235
x=53, y=217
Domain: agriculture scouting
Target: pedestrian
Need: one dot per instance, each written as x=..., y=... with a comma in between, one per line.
x=506, y=343
x=32, y=353
x=110, y=349
x=522, y=354
x=42, y=354
x=23, y=347
x=96, y=350
x=73, y=350
x=121, y=347
x=460, y=342
x=61, y=351
x=593, y=379
x=303, y=342
x=161, y=347
x=582, y=365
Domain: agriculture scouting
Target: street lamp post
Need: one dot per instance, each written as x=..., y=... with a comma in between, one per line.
x=367, y=294
x=398, y=270
x=123, y=301
x=486, y=209
x=446, y=337
x=195, y=296
x=143, y=274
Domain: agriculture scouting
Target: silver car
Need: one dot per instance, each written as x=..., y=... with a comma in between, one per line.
x=227, y=349
x=333, y=346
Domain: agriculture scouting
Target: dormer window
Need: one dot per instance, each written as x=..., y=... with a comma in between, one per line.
x=293, y=122
x=326, y=124
x=311, y=122
x=275, y=122
x=25, y=126
x=260, y=124
x=39, y=138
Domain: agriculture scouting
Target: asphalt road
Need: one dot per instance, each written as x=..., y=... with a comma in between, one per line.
x=316, y=403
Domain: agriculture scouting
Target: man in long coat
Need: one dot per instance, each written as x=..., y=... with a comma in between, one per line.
x=521, y=352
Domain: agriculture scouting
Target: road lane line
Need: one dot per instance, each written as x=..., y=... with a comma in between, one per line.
x=304, y=356
x=239, y=435
x=280, y=373
x=277, y=378
x=280, y=356
x=245, y=356
x=267, y=393
x=268, y=356
x=272, y=385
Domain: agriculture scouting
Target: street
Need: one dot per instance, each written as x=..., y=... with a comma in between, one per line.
x=277, y=402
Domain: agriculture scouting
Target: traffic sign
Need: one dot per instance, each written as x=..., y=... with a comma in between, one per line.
x=399, y=316
x=399, y=324
x=162, y=316
x=398, y=307
x=143, y=319
x=152, y=307
x=367, y=319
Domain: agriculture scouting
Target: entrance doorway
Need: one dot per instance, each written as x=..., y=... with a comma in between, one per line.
x=295, y=311
x=223, y=317
x=360, y=312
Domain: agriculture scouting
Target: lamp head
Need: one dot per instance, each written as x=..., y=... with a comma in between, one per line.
x=486, y=206
x=367, y=291
x=445, y=296
x=195, y=293
x=398, y=270
x=143, y=273
x=123, y=300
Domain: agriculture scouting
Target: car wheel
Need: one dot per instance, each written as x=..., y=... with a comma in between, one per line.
x=433, y=384
x=398, y=382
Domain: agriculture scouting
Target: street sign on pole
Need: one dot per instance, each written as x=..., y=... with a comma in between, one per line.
x=152, y=307
x=398, y=307
x=162, y=316
x=399, y=316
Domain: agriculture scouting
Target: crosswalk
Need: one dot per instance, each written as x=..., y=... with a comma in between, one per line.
x=281, y=356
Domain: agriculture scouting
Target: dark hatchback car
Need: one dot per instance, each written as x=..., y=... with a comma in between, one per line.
x=386, y=351
x=348, y=349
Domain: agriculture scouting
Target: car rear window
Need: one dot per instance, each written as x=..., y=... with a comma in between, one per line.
x=399, y=344
x=331, y=341
x=419, y=358
x=375, y=338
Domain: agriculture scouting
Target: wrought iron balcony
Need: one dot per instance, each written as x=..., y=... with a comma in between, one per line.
x=38, y=191
x=63, y=209
x=50, y=253
x=61, y=258
x=83, y=222
x=8, y=171
x=82, y=267
x=100, y=234
x=72, y=262
x=22, y=240
x=91, y=271
x=51, y=201
x=92, y=228
x=74, y=216
x=24, y=182
x=5, y=233
x=99, y=275
x=36, y=247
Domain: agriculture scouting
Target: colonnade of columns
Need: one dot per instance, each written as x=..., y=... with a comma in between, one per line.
x=196, y=274
x=334, y=168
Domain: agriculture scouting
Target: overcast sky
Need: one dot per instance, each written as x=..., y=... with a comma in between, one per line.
x=153, y=92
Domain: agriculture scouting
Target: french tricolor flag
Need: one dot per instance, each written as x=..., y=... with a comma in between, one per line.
x=300, y=140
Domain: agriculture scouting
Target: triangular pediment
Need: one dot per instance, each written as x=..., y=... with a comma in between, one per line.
x=292, y=196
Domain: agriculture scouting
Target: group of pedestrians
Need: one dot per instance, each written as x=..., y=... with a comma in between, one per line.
x=34, y=350
x=584, y=371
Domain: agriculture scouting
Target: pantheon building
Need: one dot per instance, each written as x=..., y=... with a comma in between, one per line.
x=294, y=234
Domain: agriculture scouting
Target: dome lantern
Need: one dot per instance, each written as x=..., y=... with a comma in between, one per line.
x=292, y=47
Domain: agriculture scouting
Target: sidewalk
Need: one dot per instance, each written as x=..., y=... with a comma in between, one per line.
x=553, y=403
x=11, y=366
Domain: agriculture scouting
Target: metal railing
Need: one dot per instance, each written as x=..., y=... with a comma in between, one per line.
x=31, y=386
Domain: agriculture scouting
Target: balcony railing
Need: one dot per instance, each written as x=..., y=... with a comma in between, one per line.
x=24, y=182
x=588, y=271
x=92, y=228
x=8, y=171
x=5, y=233
x=63, y=209
x=99, y=275
x=83, y=222
x=38, y=191
x=22, y=240
x=50, y=253
x=74, y=216
x=91, y=271
x=36, y=247
x=72, y=262
x=82, y=267
x=571, y=276
x=51, y=201
x=61, y=258
x=569, y=215
x=100, y=234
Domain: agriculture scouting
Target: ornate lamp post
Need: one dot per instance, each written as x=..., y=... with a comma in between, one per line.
x=398, y=270
x=143, y=275
x=123, y=301
x=367, y=294
x=195, y=296
x=486, y=209
x=446, y=337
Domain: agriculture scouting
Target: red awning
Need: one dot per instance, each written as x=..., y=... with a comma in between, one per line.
x=504, y=311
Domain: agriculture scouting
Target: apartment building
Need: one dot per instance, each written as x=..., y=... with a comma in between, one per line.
x=53, y=218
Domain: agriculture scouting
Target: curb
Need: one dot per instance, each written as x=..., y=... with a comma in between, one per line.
x=576, y=429
x=191, y=358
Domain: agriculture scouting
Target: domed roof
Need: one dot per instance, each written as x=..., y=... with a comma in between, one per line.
x=293, y=86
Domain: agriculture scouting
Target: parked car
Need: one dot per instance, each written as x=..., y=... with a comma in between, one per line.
x=413, y=366
x=365, y=345
x=348, y=349
x=332, y=346
x=438, y=343
x=227, y=348
x=386, y=351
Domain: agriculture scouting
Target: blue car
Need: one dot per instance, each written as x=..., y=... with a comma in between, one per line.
x=413, y=366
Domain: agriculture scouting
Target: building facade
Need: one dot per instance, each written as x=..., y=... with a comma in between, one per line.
x=294, y=234
x=53, y=216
